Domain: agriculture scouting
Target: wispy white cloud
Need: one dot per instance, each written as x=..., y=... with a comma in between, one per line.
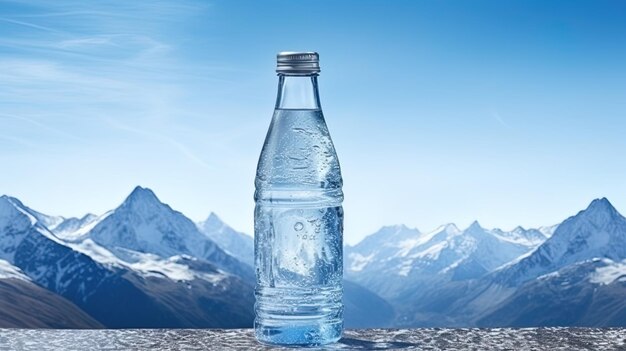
x=88, y=41
x=177, y=145
x=71, y=67
x=45, y=126
x=500, y=120
x=29, y=25
x=18, y=141
x=51, y=83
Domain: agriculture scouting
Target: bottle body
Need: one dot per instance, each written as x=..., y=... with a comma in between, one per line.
x=298, y=232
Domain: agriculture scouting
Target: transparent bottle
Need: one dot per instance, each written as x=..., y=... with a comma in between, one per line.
x=298, y=219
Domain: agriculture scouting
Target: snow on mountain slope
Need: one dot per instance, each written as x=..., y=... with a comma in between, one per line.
x=9, y=271
x=27, y=244
x=142, y=223
x=548, y=230
x=398, y=260
x=399, y=250
x=576, y=277
x=596, y=232
x=18, y=223
x=49, y=222
x=176, y=268
x=385, y=243
x=45, y=220
x=81, y=231
x=611, y=272
x=76, y=234
x=239, y=245
x=146, y=225
x=586, y=293
x=526, y=237
x=492, y=249
x=70, y=227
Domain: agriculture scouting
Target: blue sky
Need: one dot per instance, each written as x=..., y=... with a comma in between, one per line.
x=508, y=112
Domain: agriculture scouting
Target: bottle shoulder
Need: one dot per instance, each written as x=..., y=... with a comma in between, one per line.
x=298, y=152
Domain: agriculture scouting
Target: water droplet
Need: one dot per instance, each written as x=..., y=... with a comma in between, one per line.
x=311, y=336
x=298, y=226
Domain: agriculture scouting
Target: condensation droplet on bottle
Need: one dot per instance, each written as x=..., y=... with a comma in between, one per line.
x=298, y=226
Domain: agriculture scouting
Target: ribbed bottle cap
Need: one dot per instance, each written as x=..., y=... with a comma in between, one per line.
x=298, y=63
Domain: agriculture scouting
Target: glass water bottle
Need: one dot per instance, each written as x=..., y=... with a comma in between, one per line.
x=298, y=218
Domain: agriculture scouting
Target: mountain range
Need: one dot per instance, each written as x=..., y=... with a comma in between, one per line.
x=123, y=279
x=571, y=274
x=144, y=264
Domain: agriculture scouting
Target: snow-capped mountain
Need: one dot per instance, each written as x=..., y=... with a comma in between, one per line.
x=142, y=224
x=144, y=264
x=398, y=259
x=596, y=232
x=576, y=277
x=30, y=246
x=142, y=293
x=237, y=244
x=384, y=244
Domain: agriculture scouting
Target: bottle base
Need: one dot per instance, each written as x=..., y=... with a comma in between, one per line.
x=309, y=335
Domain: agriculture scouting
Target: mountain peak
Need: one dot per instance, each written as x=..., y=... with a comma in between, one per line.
x=11, y=200
x=474, y=226
x=48, y=221
x=141, y=195
x=597, y=231
x=4, y=199
x=144, y=224
x=397, y=228
x=142, y=202
x=212, y=223
x=11, y=205
x=600, y=211
x=14, y=214
x=6, y=205
x=213, y=218
x=600, y=205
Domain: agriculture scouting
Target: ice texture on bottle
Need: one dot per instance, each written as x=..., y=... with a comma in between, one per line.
x=298, y=232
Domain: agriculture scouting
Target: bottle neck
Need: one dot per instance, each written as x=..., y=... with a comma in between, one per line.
x=298, y=92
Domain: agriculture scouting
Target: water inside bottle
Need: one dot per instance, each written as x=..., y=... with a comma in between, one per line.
x=298, y=233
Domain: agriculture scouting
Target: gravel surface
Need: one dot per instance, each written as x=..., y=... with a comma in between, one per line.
x=363, y=339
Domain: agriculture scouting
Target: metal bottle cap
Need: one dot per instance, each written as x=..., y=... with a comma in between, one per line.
x=297, y=63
